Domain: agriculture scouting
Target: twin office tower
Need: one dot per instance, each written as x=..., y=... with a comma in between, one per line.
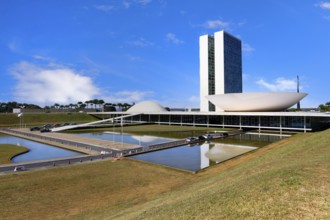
x=220, y=66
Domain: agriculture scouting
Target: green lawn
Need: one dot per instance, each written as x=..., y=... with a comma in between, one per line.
x=288, y=179
x=8, y=151
x=36, y=119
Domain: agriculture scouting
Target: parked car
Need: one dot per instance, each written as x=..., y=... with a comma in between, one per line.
x=104, y=152
x=66, y=124
x=223, y=135
x=208, y=136
x=19, y=168
x=47, y=126
x=35, y=129
x=45, y=130
x=201, y=138
x=57, y=125
x=191, y=139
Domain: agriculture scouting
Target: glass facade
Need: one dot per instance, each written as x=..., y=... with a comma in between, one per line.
x=257, y=122
x=232, y=64
x=211, y=73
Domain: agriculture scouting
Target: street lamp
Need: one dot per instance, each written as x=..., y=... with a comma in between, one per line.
x=20, y=115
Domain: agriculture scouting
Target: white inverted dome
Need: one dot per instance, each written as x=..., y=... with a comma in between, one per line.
x=146, y=106
x=256, y=101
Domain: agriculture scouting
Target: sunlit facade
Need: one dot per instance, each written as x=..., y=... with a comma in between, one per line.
x=220, y=67
x=277, y=121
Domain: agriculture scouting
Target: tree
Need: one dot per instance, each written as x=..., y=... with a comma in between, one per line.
x=120, y=106
x=87, y=103
x=324, y=108
x=109, y=107
x=79, y=104
x=126, y=106
x=101, y=102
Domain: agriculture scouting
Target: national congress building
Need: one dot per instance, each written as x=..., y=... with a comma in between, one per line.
x=222, y=102
x=220, y=59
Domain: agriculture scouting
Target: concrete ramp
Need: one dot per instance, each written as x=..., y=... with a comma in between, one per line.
x=68, y=127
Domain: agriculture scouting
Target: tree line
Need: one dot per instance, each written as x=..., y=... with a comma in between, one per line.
x=325, y=107
x=96, y=104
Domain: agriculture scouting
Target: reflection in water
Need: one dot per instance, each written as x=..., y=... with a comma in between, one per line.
x=194, y=158
x=145, y=139
x=222, y=152
x=188, y=157
x=142, y=140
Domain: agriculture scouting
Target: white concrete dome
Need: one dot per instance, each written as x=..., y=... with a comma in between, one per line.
x=146, y=106
x=256, y=101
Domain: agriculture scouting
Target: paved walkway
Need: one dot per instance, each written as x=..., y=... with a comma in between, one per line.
x=44, y=164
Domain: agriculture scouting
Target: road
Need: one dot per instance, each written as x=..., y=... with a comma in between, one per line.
x=53, y=163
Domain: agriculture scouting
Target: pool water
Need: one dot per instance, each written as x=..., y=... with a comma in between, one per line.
x=196, y=157
x=38, y=151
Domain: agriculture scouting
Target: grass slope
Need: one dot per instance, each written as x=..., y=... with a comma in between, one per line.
x=11, y=120
x=8, y=151
x=291, y=181
x=71, y=192
x=285, y=180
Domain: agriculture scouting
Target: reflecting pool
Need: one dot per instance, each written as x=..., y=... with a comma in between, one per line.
x=142, y=140
x=188, y=157
x=38, y=151
x=196, y=157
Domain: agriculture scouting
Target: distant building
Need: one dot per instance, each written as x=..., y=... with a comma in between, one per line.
x=220, y=66
x=17, y=110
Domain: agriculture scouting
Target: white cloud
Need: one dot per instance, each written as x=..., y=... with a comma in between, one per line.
x=247, y=48
x=128, y=96
x=105, y=8
x=143, y=2
x=242, y=23
x=194, y=99
x=280, y=84
x=141, y=42
x=43, y=58
x=14, y=46
x=133, y=58
x=126, y=4
x=172, y=38
x=245, y=76
x=180, y=102
x=215, y=24
x=48, y=85
x=324, y=5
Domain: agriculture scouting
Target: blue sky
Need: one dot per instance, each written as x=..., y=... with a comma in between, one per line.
x=64, y=51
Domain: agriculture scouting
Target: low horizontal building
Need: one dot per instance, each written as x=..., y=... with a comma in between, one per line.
x=148, y=112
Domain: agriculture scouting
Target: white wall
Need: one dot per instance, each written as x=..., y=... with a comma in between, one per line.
x=203, y=71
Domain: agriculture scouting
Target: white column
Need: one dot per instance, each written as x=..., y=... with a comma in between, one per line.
x=204, y=71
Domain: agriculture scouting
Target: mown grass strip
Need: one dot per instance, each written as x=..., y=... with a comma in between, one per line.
x=37, y=119
x=8, y=151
